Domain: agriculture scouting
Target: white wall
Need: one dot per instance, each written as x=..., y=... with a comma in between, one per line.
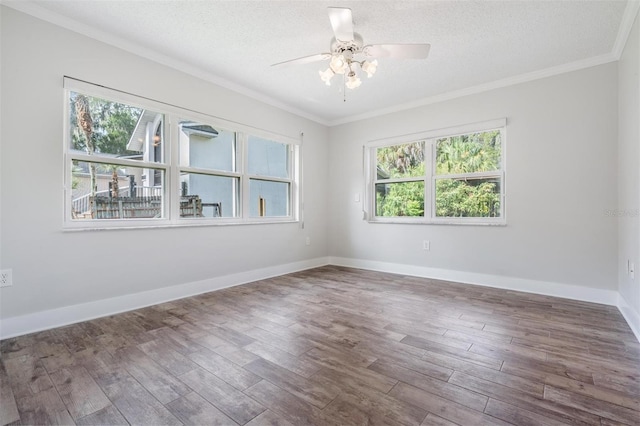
x=52, y=268
x=561, y=177
x=629, y=175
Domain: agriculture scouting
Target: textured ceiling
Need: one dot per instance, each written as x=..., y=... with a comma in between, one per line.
x=473, y=43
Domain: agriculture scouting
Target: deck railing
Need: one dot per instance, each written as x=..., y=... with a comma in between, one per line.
x=82, y=204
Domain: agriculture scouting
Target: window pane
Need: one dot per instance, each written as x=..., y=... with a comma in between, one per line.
x=118, y=192
x=475, y=152
x=468, y=198
x=400, y=199
x=268, y=198
x=208, y=196
x=206, y=147
x=406, y=160
x=101, y=127
x=268, y=158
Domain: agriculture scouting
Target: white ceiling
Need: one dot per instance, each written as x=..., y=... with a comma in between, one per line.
x=474, y=44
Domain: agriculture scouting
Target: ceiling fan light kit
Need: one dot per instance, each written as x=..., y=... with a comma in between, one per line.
x=348, y=52
x=340, y=65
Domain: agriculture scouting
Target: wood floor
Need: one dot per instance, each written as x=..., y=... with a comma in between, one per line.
x=332, y=346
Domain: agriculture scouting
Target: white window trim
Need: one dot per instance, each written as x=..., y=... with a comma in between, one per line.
x=429, y=137
x=172, y=168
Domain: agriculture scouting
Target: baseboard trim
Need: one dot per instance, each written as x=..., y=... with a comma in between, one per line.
x=630, y=315
x=44, y=320
x=546, y=288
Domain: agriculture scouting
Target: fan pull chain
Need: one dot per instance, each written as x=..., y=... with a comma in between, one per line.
x=344, y=88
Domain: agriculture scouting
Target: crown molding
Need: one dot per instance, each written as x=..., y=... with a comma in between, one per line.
x=62, y=21
x=510, y=81
x=629, y=17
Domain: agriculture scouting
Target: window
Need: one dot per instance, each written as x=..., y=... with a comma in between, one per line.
x=269, y=178
x=449, y=176
x=135, y=162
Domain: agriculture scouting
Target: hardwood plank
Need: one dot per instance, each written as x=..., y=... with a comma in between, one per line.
x=348, y=411
x=230, y=335
x=269, y=418
x=430, y=336
x=479, y=359
x=629, y=384
x=166, y=357
x=477, y=336
x=45, y=407
x=178, y=341
x=365, y=382
x=224, y=369
x=54, y=355
x=444, y=408
x=433, y=420
x=212, y=342
x=608, y=395
x=192, y=409
x=355, y=375
x=225, y=397
x=523, y=400
x=384, y=408
x=79, y=392
x=523, y=384
x=78, y=337
x=305, y=367
x=27, y=376
x=107, y=416
x=514, y=330
x=592, y=405
x=520, y=368
x=150, y=319
x=307, y=389
x=295, y=346
x=190, y=331
x=348, y=357
x=593, y=364
x=132, y=400
x=111, y=342
x=162, y=385
x=518, y=416
x=292, y=409
x=235, y=354
x=550, y=344
x=441, y=388
x=17, y=347
x=8, y=408
x=507, y=351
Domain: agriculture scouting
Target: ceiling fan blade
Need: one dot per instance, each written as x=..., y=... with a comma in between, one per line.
x=304, y=60
x=341, y=22
x=399, y=51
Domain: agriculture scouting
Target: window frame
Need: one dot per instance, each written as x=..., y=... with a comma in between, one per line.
x=172, y=166
x=430, y=177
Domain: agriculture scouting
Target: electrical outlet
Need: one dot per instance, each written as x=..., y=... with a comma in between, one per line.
x=632, y=270
x=307, y=241
x=6, y=279
x=426, y=245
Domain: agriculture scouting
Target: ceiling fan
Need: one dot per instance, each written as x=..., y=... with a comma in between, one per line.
x=348, y=50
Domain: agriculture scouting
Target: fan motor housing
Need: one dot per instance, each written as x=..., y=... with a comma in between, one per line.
x=347, y=48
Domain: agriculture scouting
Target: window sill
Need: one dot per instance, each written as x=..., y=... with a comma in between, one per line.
x=165, y=225
x=398, y=221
